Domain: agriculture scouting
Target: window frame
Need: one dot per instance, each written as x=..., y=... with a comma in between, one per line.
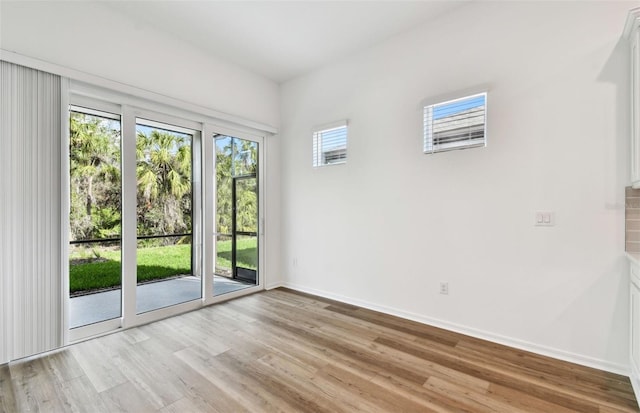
x=318, y=155
x=429, y=146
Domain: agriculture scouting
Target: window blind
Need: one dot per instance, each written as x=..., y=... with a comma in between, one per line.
x=455, y=124
x=330, y=145
x=30, y=213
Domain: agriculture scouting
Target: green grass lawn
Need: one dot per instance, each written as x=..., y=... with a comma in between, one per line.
x=247, y=253
x=153, y=263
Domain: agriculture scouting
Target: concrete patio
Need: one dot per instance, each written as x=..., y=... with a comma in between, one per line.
x=106, y=305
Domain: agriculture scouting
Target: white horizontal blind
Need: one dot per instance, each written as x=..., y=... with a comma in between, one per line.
x=30, y=215
x=330, y=144
x=455, y=124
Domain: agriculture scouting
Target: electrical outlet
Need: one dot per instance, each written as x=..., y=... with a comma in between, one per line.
x=444, y=288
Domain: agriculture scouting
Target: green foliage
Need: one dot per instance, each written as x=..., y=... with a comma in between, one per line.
x=163, y=173
x=247, y=209
x=94, y=161
x=97, y=268
x=164, y=183
x=236, y=158
x=106, y=221
x=223, y=189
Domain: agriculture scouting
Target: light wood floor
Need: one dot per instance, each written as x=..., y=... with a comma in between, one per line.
x=285, y=351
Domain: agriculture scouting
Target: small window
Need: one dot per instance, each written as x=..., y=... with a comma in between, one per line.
x=330, y=144
x=455, y=124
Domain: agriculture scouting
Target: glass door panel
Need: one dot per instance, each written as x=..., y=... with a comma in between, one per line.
x=245, y=239
x=95, y=280
x=236, y=220
x=165, y=257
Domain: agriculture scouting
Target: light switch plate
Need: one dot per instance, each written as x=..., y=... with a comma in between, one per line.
x=545, y=219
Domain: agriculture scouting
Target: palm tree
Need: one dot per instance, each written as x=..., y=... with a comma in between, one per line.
x=94, y=149
x=164, y=182
x=234, y=158
x=223, y=185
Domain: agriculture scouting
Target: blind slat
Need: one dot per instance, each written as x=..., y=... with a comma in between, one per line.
x=30, y=257
x=456, y=124
x=330, y=146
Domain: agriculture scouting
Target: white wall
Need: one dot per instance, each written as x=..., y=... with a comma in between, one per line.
x=90, y=37
x=387, y=227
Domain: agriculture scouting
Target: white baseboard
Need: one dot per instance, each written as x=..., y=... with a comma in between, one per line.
x=634, y=377
x=274, y=285
x=470, y=331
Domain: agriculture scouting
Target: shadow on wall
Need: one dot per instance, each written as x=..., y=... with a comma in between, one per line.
x=616, y=73
x=609, y=283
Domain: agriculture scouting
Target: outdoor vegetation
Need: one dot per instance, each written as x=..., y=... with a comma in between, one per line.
x=164, y=202
x=94, y=163
x=153, y=263
x=236, y=158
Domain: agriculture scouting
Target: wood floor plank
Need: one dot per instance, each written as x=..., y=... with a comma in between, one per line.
x=296, y=376
x=63, y=365
x=372, y=392
x=545, y=364
x=478, y=401
x=100, y=363
x=7, y=396
x=198, y=389
x=80, y=396
x=292, y=395
x=35, y=387
x=433, y=369
x=335, y=389
x=126, y=397
x=493, y=375
x=413, y=328
x=166, y=334
x=243, y=391
x=366, y=359
x=150, y=374
x=284, y=351
x=135, y=335
x=542, y=368
x=186, y=405
x=308, y=299
x=524, y=401
x=567, y=382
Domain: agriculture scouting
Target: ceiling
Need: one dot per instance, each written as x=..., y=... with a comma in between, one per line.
x=282, y=39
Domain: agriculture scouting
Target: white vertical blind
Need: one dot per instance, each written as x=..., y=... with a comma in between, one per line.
x=30, y=215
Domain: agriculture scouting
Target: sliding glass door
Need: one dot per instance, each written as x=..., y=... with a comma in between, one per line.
x=138, y=250
x=164, y=172
x=94, y=216
x=153, y=229
x=237, y=212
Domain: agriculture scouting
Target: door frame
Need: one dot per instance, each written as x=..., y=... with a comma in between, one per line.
x=128, y=237
x=129, y=214
x=74, y=334
x=209, y=218
x=130, y=106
